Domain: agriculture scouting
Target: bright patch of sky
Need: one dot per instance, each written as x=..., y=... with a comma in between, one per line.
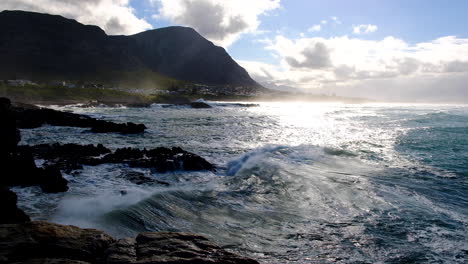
x=387, y=49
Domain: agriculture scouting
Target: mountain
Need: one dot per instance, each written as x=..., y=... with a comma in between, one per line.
x=47, y=47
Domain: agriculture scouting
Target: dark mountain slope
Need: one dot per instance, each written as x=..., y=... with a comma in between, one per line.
x=39, y=46
x=182, y=53
x=43, y=47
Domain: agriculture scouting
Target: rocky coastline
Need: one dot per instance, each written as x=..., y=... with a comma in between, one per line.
x=26, y=241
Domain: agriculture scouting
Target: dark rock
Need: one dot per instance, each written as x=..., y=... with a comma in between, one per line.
x=246, y=105
x=140, y=178
x=19, y=169
x=43, y=240
x=200, y=105
x=9, y=134
x=33, y=117
x=10, y=213
x=67, y=157
x=123, y=155
x=70, y=157
x=171, y=159
x=177, y=247
x=161, y=159
x=122, y=251
x=127, y=128
x=52, y=181
x=195, y=105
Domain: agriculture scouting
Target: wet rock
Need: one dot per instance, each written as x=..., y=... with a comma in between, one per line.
x=33, y=117
x=161, y=159
x=123, y=155
x=40, y=241
x=17, y=165
x=10, y=213
x=198, y=105
x=140, y=178
x=52, y=181
x=70, y=157
x=126, y=128
x=67, y=157
x=72, y=151
x=246, y=105
x=44, y=242
x=19, y=169
x=122, y=251
x=177, y=247
x=9, y=134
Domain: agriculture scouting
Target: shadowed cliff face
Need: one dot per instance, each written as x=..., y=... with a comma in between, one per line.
x=182, y=53
x=40, y=46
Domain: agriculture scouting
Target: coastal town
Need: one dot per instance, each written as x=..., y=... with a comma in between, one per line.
x=185, y=89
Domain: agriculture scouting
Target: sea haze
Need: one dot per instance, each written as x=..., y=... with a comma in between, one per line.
x=295, y=182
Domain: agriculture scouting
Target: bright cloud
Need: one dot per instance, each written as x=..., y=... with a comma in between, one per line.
x=223, y=22
x=114, y=16
x=315, y=28
x=364, y=29
x=352, y=66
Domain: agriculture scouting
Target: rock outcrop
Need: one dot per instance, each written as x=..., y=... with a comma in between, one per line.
x=40, y=241
x=29, y=116
x=10, y=212
x=17, y=165
x=72, y=156
x=195, y=105
x=198, y=105
x=47, y=243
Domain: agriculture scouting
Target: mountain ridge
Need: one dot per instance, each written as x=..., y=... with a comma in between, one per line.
x=43, y=46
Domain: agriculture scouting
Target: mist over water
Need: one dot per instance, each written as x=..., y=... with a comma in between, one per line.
x=296, y=182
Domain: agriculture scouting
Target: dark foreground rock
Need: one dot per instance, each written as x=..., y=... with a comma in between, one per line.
x=10, y=213
x=17, y=166
x=29, y=116
x=44, y=242
x=73, y=156
x=19, y=169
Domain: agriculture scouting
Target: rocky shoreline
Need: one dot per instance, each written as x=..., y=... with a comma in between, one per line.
x=30, y=116
x=26, y=241
x=44, y=242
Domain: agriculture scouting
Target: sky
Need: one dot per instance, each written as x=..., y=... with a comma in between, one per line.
x=397, y=50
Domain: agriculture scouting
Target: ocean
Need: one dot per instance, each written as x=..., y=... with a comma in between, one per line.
x=295, y=182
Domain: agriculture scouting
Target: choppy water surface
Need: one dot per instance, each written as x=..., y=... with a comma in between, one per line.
x=296, y=182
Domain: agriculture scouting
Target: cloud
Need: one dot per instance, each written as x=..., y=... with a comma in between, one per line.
x=316, y=56
x=222, y=22
x=114, y=16
x=336, y=20
x=389, y=68
x=364, y=29
x=315, y=28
